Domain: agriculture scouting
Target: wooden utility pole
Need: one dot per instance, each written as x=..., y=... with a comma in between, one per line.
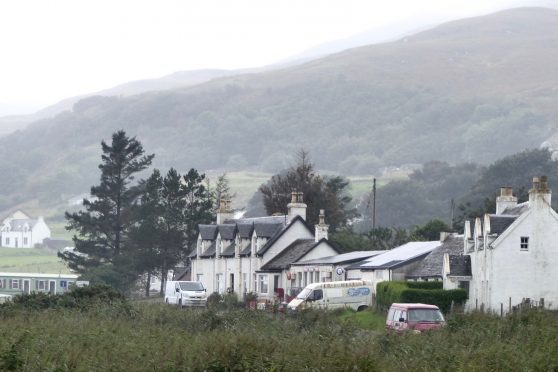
x=374, y=204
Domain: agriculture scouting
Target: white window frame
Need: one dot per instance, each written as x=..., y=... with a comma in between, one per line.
x=14, y=284
x=263, y=284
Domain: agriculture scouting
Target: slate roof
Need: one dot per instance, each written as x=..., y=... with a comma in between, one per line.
x=517, y=210
x=344, y=258
x=404, y=253
x=227, y=231
x=229, y=251
x=460, y=265
x=499, y=222
x=432, y=265
x=208, y=232
x=290, y=254
x=267, y=230
x=246, y=251
x=280, y=232
x=210, y=251
x=17, y=225
x=245, y=230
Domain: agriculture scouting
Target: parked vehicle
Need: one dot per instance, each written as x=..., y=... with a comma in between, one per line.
x=354, y=294
x=183, y=293
x=5, y=298
x=414, y=317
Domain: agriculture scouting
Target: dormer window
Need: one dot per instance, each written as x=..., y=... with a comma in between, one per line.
x=524, y=243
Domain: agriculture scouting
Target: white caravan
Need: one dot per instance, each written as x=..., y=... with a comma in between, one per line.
x=354, y=294
x=185, y=293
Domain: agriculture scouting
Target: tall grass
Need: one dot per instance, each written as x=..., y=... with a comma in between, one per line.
x=147, y=337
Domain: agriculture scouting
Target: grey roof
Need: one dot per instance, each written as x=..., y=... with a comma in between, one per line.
x=432, y=265
x=267, y=230
x=246, y=251
x=460, y=265
x=210, y=251
x=405, y=253
x=280, y=232
x=499, y=222
x=245, y=230
x=344, y=258
x=17, y=225
x=517, y=210
x=295, y=251
x=229, y=251
x=227, y=231
x=266, y=219
x=193, y=254
x=208, y=232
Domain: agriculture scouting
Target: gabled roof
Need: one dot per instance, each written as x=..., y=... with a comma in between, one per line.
x=344, y=258
x=280, y=233
x=460, y=265
x=397, y=256
x=292, y=253
x=208, y=232
x=247, y=250
x=245, y=230
x=19, y=224
x=518, y=209
x=209, y=252
x=227, y=231
x=433, y=264
x=229, y=251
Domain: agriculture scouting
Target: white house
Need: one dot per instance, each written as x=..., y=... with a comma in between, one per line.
x=20, y=231
x=513, y=253
x=253, y=254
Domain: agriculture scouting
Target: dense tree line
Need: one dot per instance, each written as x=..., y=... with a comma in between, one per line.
x=133, y=227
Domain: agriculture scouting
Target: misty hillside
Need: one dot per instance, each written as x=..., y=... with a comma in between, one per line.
x=471, y=90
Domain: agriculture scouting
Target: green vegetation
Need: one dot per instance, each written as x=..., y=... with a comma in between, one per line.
x=95, y=331
x=31, y=260
x=388, y=293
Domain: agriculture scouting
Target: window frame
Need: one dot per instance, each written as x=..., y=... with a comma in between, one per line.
x=523, y=243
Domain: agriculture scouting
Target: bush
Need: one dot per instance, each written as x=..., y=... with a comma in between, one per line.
x=422, y=292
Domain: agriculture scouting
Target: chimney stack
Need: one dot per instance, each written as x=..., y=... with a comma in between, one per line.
x=296, y=207
x=224, y=212
x=321, y=228
x=505, y=200
x=540, y=191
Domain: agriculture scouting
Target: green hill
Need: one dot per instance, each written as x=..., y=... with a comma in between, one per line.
x=472, y=90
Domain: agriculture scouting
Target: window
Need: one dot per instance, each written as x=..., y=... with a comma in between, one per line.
x=42, y=284
x=7, y=241
x=220, y=287
x=524, y=245
x=263, y=284
x=2, y=283
x=245, y=282
x=14, y=284
x=317, y=294
x=64, y=284
x=199, y=277
x=25, y=241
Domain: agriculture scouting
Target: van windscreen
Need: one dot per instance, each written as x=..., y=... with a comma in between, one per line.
x=425, y=315
x=304, y=294
x=191, y=286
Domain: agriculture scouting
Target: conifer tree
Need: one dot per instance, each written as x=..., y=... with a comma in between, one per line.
x=103, y=226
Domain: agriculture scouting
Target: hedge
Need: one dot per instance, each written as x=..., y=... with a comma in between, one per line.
x=418, y=292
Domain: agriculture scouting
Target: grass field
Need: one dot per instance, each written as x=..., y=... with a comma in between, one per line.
x=122, y=336
x=30, y=260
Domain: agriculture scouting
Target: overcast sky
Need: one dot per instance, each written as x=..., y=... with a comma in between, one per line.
x=53, y=49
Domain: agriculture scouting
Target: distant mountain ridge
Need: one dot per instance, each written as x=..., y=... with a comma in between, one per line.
x=470, y=90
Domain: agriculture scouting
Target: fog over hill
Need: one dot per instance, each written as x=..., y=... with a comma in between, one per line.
x=470, y=90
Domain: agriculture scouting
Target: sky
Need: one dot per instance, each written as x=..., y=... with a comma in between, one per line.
x=51, y=50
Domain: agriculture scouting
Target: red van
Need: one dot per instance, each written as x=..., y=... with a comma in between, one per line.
x=414, y=317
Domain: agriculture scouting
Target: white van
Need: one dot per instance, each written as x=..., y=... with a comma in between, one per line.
x=185, y=293
x=354, y=294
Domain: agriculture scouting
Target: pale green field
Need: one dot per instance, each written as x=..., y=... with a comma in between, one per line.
x=30, y=260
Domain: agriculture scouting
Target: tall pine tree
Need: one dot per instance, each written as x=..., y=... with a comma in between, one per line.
x=103, y=227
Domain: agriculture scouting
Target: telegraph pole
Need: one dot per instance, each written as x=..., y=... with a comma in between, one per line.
x=374, y=204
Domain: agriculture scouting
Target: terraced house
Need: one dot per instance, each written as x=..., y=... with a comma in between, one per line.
x=254, y=254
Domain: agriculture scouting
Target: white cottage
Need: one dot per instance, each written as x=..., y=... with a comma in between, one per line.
x=21, y=231
x=253, y=254
x=513, y=253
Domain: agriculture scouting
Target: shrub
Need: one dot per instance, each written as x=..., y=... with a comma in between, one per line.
x=423, y=292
